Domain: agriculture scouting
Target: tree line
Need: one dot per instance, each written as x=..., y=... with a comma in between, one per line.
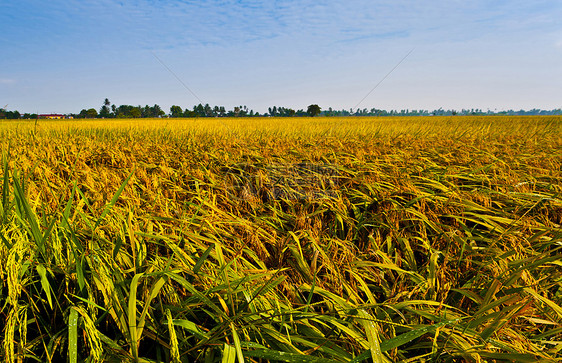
x=14, y=115
x=109, y=110
x=439, y=112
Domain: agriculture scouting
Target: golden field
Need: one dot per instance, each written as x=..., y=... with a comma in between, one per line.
x=282, y=239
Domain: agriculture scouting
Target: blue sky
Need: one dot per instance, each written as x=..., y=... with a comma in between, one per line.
x=62, y=56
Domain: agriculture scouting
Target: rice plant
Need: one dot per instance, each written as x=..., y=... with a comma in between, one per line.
x=328, y=240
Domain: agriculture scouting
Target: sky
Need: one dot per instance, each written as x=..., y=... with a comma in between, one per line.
x=62, y=56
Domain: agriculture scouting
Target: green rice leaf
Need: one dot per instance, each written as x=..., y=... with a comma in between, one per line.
x=42, y=271
x=116, y=196
x=372, y=336
x=279, y=356
x=228, y=354
x=73, y=336
x=237, y=345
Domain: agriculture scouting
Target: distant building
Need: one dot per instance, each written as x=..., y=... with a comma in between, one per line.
x=51, y=116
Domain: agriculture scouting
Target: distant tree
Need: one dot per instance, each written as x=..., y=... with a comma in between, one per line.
x=198, y=111
x=188, y=113
x=91, y=113
x=313, y=110
x=243, y=111
x=156, y=111
x=207, y=110
x=136, y=112
x=176, y=111
x=123, y=111
x=105, y=111
x=12, y=115
x=146, y=111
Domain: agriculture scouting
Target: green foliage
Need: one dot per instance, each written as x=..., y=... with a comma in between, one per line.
x=313, y=110
x=176, y=111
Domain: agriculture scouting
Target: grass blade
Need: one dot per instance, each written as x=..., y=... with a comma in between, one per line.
x=132, y=316
x=237, y=345
x=201, y=261
x=372, y=336
x=42, y=271
x=116, y=196
x=27, y=214
x=411, y=335
x=154, y=290
x=5, y=188
x=73, y=336
x=279, y=356
x=228, y=354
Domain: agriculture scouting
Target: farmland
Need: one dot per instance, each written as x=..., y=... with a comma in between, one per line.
x=295, y=240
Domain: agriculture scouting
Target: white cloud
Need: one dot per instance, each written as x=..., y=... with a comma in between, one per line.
x=7, y=81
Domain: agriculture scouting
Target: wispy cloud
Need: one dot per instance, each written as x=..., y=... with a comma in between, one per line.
x=187, y=23
x=7, y=81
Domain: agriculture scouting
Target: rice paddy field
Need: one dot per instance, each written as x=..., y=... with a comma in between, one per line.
x=433, y=239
